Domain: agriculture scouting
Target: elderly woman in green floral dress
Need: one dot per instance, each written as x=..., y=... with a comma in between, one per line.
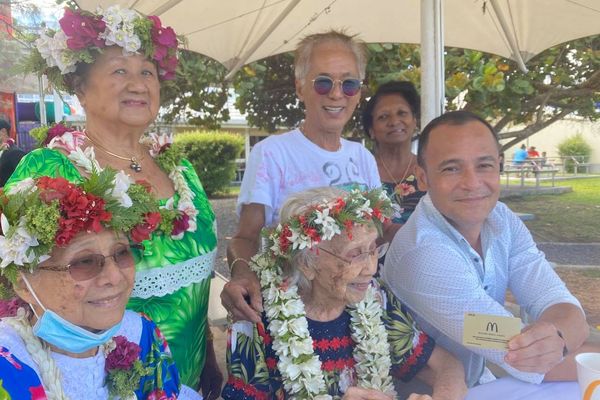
x=114, y=61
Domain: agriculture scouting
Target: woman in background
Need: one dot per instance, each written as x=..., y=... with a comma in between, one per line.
x=390, y=120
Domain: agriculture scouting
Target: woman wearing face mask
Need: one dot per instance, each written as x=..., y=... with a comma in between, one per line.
x=67, y=334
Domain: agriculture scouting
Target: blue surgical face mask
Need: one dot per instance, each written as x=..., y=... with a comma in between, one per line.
x=65, y=335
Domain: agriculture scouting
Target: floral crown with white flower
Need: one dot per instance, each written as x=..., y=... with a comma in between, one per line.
x=38, y=214
x=325, y=220
x=300, y=368
x=82, y=35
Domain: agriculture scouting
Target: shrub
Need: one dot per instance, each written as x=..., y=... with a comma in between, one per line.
x=213, y=156
x=577, y=147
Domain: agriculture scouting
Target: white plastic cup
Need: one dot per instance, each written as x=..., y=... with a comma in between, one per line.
x=588, y=375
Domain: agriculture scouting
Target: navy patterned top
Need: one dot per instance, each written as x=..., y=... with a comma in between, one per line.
x=252, y=362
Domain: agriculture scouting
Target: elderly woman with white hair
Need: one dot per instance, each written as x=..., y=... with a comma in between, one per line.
x=65, y=247
x=329, y=330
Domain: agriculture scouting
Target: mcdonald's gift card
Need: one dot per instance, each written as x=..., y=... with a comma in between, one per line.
x=489, y=331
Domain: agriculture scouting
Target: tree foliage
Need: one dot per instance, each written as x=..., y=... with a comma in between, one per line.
x=562, y=80
x=198, y=93
x=13, y=46
x=267, y=94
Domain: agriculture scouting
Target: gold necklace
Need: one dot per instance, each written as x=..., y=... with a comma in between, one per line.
x=134, y=161
x=396, y=183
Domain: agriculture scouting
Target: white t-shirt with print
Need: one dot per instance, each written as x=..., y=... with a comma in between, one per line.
x=289, y=163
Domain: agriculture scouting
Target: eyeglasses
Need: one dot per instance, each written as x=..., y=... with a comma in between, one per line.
x=378, y=252
x=90, y=266
x=324, y=85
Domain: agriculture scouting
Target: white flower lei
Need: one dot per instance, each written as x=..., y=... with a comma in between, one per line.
x=86, y=159
x=300, y=368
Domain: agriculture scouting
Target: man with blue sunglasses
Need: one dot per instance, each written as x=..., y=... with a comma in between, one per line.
x=329, y=69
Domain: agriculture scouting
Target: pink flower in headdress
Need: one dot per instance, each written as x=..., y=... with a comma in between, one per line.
x=165, y=44
x=162, y=36
x=82, y=31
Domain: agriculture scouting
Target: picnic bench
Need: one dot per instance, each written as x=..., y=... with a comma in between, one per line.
x=580, y=164
x=536, y=170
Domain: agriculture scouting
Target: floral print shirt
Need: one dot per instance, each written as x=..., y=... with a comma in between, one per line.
x=20, y=380
x=404, y=196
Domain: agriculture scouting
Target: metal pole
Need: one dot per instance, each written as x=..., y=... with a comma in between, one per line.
x=58, y=107
x=43, y=119
x=432, y=60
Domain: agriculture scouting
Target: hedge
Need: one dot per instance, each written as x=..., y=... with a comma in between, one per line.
x=577, y=147
x=213, y=156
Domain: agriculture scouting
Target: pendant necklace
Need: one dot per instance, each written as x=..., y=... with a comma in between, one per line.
x=396, y=183
x=134, y=161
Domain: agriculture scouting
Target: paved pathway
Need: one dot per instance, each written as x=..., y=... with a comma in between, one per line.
x=576, y=254
x=226, y=224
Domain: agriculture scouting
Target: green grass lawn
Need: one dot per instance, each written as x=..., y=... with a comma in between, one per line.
x=231, y=191
x=571, y=217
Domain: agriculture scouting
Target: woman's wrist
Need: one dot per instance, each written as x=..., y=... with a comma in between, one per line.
x=239, y=261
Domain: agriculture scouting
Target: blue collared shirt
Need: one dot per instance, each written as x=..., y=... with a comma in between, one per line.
x=432, y=268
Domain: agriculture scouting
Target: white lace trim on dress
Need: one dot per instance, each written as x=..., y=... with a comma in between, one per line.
x=168, y=279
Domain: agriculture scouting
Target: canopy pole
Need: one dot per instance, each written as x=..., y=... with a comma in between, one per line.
x=242, y=60
x=43, y=119
x=432, y=60
x=512, y=42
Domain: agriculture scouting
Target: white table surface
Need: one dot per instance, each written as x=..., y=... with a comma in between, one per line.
x=509, y=388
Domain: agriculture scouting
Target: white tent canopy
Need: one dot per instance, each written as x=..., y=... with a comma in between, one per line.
x=247, y=30
x=236, y=32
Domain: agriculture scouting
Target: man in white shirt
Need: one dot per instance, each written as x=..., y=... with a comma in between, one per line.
x=462, y=249
x=329, y=68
